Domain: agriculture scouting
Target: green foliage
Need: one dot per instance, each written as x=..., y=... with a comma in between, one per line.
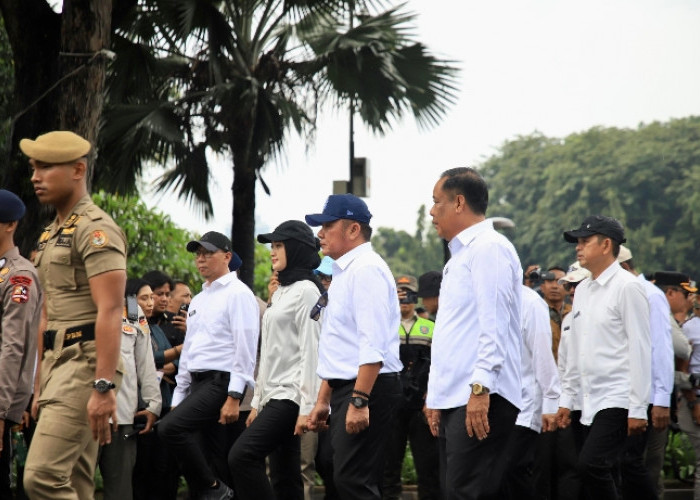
x=645, y=177
x=153, y=240
x=262, y=271
x=679, y=461
x=406, y=254
x=408, y=468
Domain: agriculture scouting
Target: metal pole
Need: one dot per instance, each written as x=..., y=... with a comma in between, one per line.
x=352, y=110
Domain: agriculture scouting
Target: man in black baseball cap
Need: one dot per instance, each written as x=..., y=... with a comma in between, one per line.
x=211, y=241
x=597, y=224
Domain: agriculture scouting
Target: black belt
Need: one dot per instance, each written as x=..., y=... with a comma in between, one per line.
x=206, y=375
x=337, y=383
x=72, y=335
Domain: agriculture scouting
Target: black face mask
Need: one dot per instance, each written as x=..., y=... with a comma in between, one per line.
x=302, y=259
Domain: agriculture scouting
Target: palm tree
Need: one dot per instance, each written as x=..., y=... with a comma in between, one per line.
x=236, y=76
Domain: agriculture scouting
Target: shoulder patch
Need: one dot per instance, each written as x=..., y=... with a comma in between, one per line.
x=21, y=280
x=128, y=329
x=424, y=329
x=143, y=320
x=20, y=294
x=98, y=239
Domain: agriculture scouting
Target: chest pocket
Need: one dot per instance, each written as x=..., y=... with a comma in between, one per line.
x=62, y=273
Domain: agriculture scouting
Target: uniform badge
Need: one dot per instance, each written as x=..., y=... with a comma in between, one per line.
x=128, y=329
x=424, y=330
x=20, y=294
x=68, y=230
x=4, y=271
x=99, y=239
x=44, y=236
x=21, y=280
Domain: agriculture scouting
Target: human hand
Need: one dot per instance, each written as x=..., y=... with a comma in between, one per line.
x=229, y=412
x=301, y=426
x=549, y=422
x=150, y=420
x=100, y=408
x=251, y=416
x=563, y=417
x=318, y=418
x=356, y=419
x=660, y=417
x=636, y=426
x=477, y=419
x=432, y=418
x=180, y=322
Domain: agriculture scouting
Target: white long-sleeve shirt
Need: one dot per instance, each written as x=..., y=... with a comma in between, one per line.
x=661, y=344
x=362, y=317
x=609, y=355
x=222, y=334
x=562, y=358
x=289, y=348
x=539, y=377
x=477, y=334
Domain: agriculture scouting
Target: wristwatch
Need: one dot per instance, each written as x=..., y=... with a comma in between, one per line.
x=103, y=385
x=359, y=402
x=478, y=389
x=235, y=395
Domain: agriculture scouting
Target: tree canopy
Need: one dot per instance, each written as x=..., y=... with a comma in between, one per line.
x=646, y=177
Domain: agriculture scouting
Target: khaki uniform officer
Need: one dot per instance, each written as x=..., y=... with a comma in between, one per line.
x=81, y=261
x=20, y=311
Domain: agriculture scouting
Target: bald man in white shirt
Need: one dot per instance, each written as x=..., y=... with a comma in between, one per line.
x=474, y=388
x=609, y=359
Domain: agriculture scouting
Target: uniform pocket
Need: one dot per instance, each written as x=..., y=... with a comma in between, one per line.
x=62, y=273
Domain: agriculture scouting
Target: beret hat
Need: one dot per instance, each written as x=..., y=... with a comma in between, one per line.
x=59, y=146
x=11, y=207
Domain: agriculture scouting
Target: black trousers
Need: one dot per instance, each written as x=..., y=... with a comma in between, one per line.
x=324, y=465
x=192, y=432
x=358, y=459
x=518, y=479
x=602, y=449
x=410, y=425
x=473, y=469
x=271, y=433
x=6, y=461
x=636, y=482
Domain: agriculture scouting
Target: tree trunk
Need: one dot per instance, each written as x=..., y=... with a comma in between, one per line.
x=33, y=30
x=243, y=227
x=85, y=31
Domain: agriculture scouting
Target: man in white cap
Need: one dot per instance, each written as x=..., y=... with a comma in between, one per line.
x=81, y=258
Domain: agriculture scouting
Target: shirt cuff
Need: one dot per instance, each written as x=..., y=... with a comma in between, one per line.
x=236, y=384
x=550, y=406
x=368, y=355
x=566, y=401
x=484, y=378
x=178, y=396
x=639, y=412
x=155, y=408
x=662, y=400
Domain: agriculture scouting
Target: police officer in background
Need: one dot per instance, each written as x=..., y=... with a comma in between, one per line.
x=415, y=335
x=81, y=260
x=20, y=311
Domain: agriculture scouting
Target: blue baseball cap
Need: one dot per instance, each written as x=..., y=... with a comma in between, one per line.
x=341, y=206
x=11, y=207
x=235, y=262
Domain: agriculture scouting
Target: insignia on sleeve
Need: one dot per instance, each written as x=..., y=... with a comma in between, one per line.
x=424, y=330
x=128, y=329
x=20, y=294
x=21, y=280
x=98, y=239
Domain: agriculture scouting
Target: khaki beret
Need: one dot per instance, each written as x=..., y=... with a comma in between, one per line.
x=60, y=146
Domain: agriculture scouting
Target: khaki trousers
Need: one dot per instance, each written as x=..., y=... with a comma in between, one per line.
x=62, y=457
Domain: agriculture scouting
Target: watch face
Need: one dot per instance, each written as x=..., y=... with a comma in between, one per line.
x=359, y=402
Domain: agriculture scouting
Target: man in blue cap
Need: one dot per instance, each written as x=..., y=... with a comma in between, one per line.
x=358, y=350
x=20, y=311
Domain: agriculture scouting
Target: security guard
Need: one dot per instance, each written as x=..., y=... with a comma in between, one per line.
x=81, y=260
x=415, y=335
x=20, y=312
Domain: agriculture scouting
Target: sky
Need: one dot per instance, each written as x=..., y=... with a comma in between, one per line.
x=552, y=66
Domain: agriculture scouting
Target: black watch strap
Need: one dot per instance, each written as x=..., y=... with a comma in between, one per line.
x=359, y=402
x=236, y=395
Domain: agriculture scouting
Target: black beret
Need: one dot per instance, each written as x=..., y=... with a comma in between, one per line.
x=11, y=207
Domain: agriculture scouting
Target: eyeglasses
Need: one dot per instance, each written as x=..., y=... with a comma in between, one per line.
x=320, y=304
x=568, y=286
x=204, y=253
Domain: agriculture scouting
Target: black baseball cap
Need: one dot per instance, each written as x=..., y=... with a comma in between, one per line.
x=291, y=230
x=597, y=224
x=674, y=278
x=341, y=206
x=211, y=241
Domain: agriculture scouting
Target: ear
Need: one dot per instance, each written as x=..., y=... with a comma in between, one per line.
x=461, y=202
x=80, y=169
x=353, y=230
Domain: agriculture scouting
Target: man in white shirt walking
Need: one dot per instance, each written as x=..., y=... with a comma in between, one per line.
x=216, y=367
x=609, y=356
x=474, y=388
x=358, y=349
